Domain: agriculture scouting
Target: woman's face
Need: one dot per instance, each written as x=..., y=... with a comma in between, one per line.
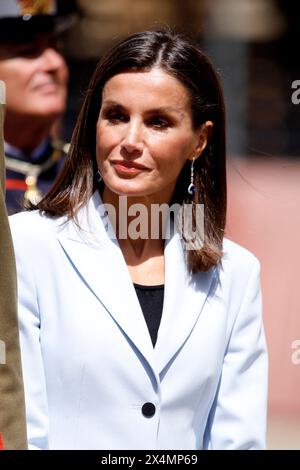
x=145, y=134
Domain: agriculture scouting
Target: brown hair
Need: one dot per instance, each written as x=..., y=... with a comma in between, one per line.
x=179, y=57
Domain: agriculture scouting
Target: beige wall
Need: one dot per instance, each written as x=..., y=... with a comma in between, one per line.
x=264, y=216
x=103, y=21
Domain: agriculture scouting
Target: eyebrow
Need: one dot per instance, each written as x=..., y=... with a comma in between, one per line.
x=159, y=109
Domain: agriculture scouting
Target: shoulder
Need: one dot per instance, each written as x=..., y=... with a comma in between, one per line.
x=238, y=282
x=238, y=262
x=233, y=250
x=30, y=227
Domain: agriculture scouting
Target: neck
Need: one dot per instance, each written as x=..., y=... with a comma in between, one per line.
x=138, y=227
x=25, y=133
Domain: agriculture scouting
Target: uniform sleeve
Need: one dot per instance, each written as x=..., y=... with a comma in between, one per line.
x=237, y=419
x=12, y=410
x=31, y=354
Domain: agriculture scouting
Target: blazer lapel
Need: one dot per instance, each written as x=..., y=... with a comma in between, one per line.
x=100, y=263
x=185, y=296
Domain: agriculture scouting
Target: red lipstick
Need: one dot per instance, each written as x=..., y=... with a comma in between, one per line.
x=126, y=167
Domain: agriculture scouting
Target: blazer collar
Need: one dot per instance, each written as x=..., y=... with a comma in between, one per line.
x=95, y=253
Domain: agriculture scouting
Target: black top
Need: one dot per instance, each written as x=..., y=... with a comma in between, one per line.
x=151, y=299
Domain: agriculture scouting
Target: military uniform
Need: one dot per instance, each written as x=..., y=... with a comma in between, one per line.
x=12, y=413
x=30, y=28
x=29, y=177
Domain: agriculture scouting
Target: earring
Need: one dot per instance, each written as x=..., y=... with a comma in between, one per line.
x=192, y=187
x=98, y=176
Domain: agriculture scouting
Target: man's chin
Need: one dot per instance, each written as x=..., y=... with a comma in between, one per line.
x=50, y=110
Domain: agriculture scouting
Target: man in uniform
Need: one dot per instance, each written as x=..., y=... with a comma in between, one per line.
x=35, y=75
x=12, y=414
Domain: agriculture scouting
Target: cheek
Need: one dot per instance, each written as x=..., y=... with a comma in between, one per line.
x=63, y=74
x=17, y=76
x=14, y=76
x=172, y=151
x=107, y=140
x=16, y=91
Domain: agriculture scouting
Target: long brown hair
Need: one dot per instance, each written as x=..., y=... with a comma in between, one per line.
x=183, y=59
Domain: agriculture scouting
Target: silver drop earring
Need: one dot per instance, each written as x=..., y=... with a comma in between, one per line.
x=98, y=176
x=192, y=187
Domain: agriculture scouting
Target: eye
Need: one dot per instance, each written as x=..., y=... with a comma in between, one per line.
x=114, y=116
x=158, y=122
x=30, y=51
x=37, y=47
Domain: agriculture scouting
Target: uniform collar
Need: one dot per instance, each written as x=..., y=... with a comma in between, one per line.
x=34, y=157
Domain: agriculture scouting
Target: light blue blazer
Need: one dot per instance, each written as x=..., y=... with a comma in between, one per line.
x=88, y=362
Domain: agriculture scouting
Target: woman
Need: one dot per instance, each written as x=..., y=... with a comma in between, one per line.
x=135, y=334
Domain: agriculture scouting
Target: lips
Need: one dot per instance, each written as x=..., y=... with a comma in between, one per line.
x=46, y=87
x=129, y=164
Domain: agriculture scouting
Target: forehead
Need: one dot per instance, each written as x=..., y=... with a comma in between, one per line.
x=148, y=88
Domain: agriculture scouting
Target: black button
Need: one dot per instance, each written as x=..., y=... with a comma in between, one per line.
x=148, y=409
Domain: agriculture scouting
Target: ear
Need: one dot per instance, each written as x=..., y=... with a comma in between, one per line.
x=203, y=135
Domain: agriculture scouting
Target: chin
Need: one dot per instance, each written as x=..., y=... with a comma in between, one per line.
x=128, y=188
x=51, y=103
x=130, y=192
x=50, y=109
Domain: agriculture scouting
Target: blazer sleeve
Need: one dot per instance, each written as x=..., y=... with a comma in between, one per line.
x=237, y=418
x=32, y=362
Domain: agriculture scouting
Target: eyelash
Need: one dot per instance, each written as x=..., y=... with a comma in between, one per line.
x=156, y=122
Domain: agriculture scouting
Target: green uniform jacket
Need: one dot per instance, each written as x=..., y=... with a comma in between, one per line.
x=12, y=409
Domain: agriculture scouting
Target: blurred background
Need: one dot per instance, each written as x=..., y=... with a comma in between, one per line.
x=253, y=44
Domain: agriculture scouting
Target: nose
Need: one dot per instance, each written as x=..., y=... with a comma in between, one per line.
x=52, y=60
x=133, y=139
